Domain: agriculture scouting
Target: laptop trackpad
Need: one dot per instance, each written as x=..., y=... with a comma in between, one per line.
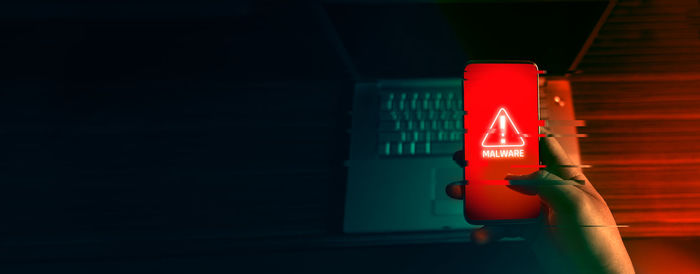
x=443, y=204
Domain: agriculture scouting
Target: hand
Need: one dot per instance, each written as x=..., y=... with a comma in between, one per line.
x=578, y=231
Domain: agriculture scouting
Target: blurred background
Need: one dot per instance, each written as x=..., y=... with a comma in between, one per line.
x=214, y=137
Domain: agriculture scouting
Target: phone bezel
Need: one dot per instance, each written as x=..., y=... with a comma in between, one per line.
x=501, y=221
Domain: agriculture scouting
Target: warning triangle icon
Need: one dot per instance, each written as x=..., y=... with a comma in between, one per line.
x=502, y=132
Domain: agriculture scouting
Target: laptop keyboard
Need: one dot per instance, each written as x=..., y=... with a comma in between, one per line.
x=416, y=123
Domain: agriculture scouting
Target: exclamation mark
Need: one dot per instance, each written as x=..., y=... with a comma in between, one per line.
x=502, y=126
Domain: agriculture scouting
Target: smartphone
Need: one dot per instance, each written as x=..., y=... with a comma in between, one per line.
x=501, y=122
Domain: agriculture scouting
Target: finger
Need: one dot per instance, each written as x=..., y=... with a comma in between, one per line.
x=486, y=234
x=458, y=157
x=455, y=190
x=530, y=184
x=524, y=184
x=553, y=191
x=538, y=178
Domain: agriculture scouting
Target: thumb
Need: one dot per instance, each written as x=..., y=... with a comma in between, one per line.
x=524, y=184
x=554, y=191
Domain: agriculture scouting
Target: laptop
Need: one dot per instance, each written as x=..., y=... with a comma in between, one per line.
x=407, y=102
x=403, y=135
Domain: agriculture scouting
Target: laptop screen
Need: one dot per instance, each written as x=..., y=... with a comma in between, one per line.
x=436, y=40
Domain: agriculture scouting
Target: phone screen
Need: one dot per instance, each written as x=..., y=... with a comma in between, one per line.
x=501, y=101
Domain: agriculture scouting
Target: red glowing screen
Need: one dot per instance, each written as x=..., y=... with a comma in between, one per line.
x=501, y=101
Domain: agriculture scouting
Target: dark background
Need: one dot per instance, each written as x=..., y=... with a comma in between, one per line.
x=192, y=138
x=211, y=137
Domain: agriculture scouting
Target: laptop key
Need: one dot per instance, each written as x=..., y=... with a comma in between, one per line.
x=449, y=103
x=397, y=148
x=447, y=124
x=414, y=100
x=455, y=136
x=387, y=101
x=426, y=102
x=434, y=125
x=384, y=148
x=432, y=115
x=442, y=136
